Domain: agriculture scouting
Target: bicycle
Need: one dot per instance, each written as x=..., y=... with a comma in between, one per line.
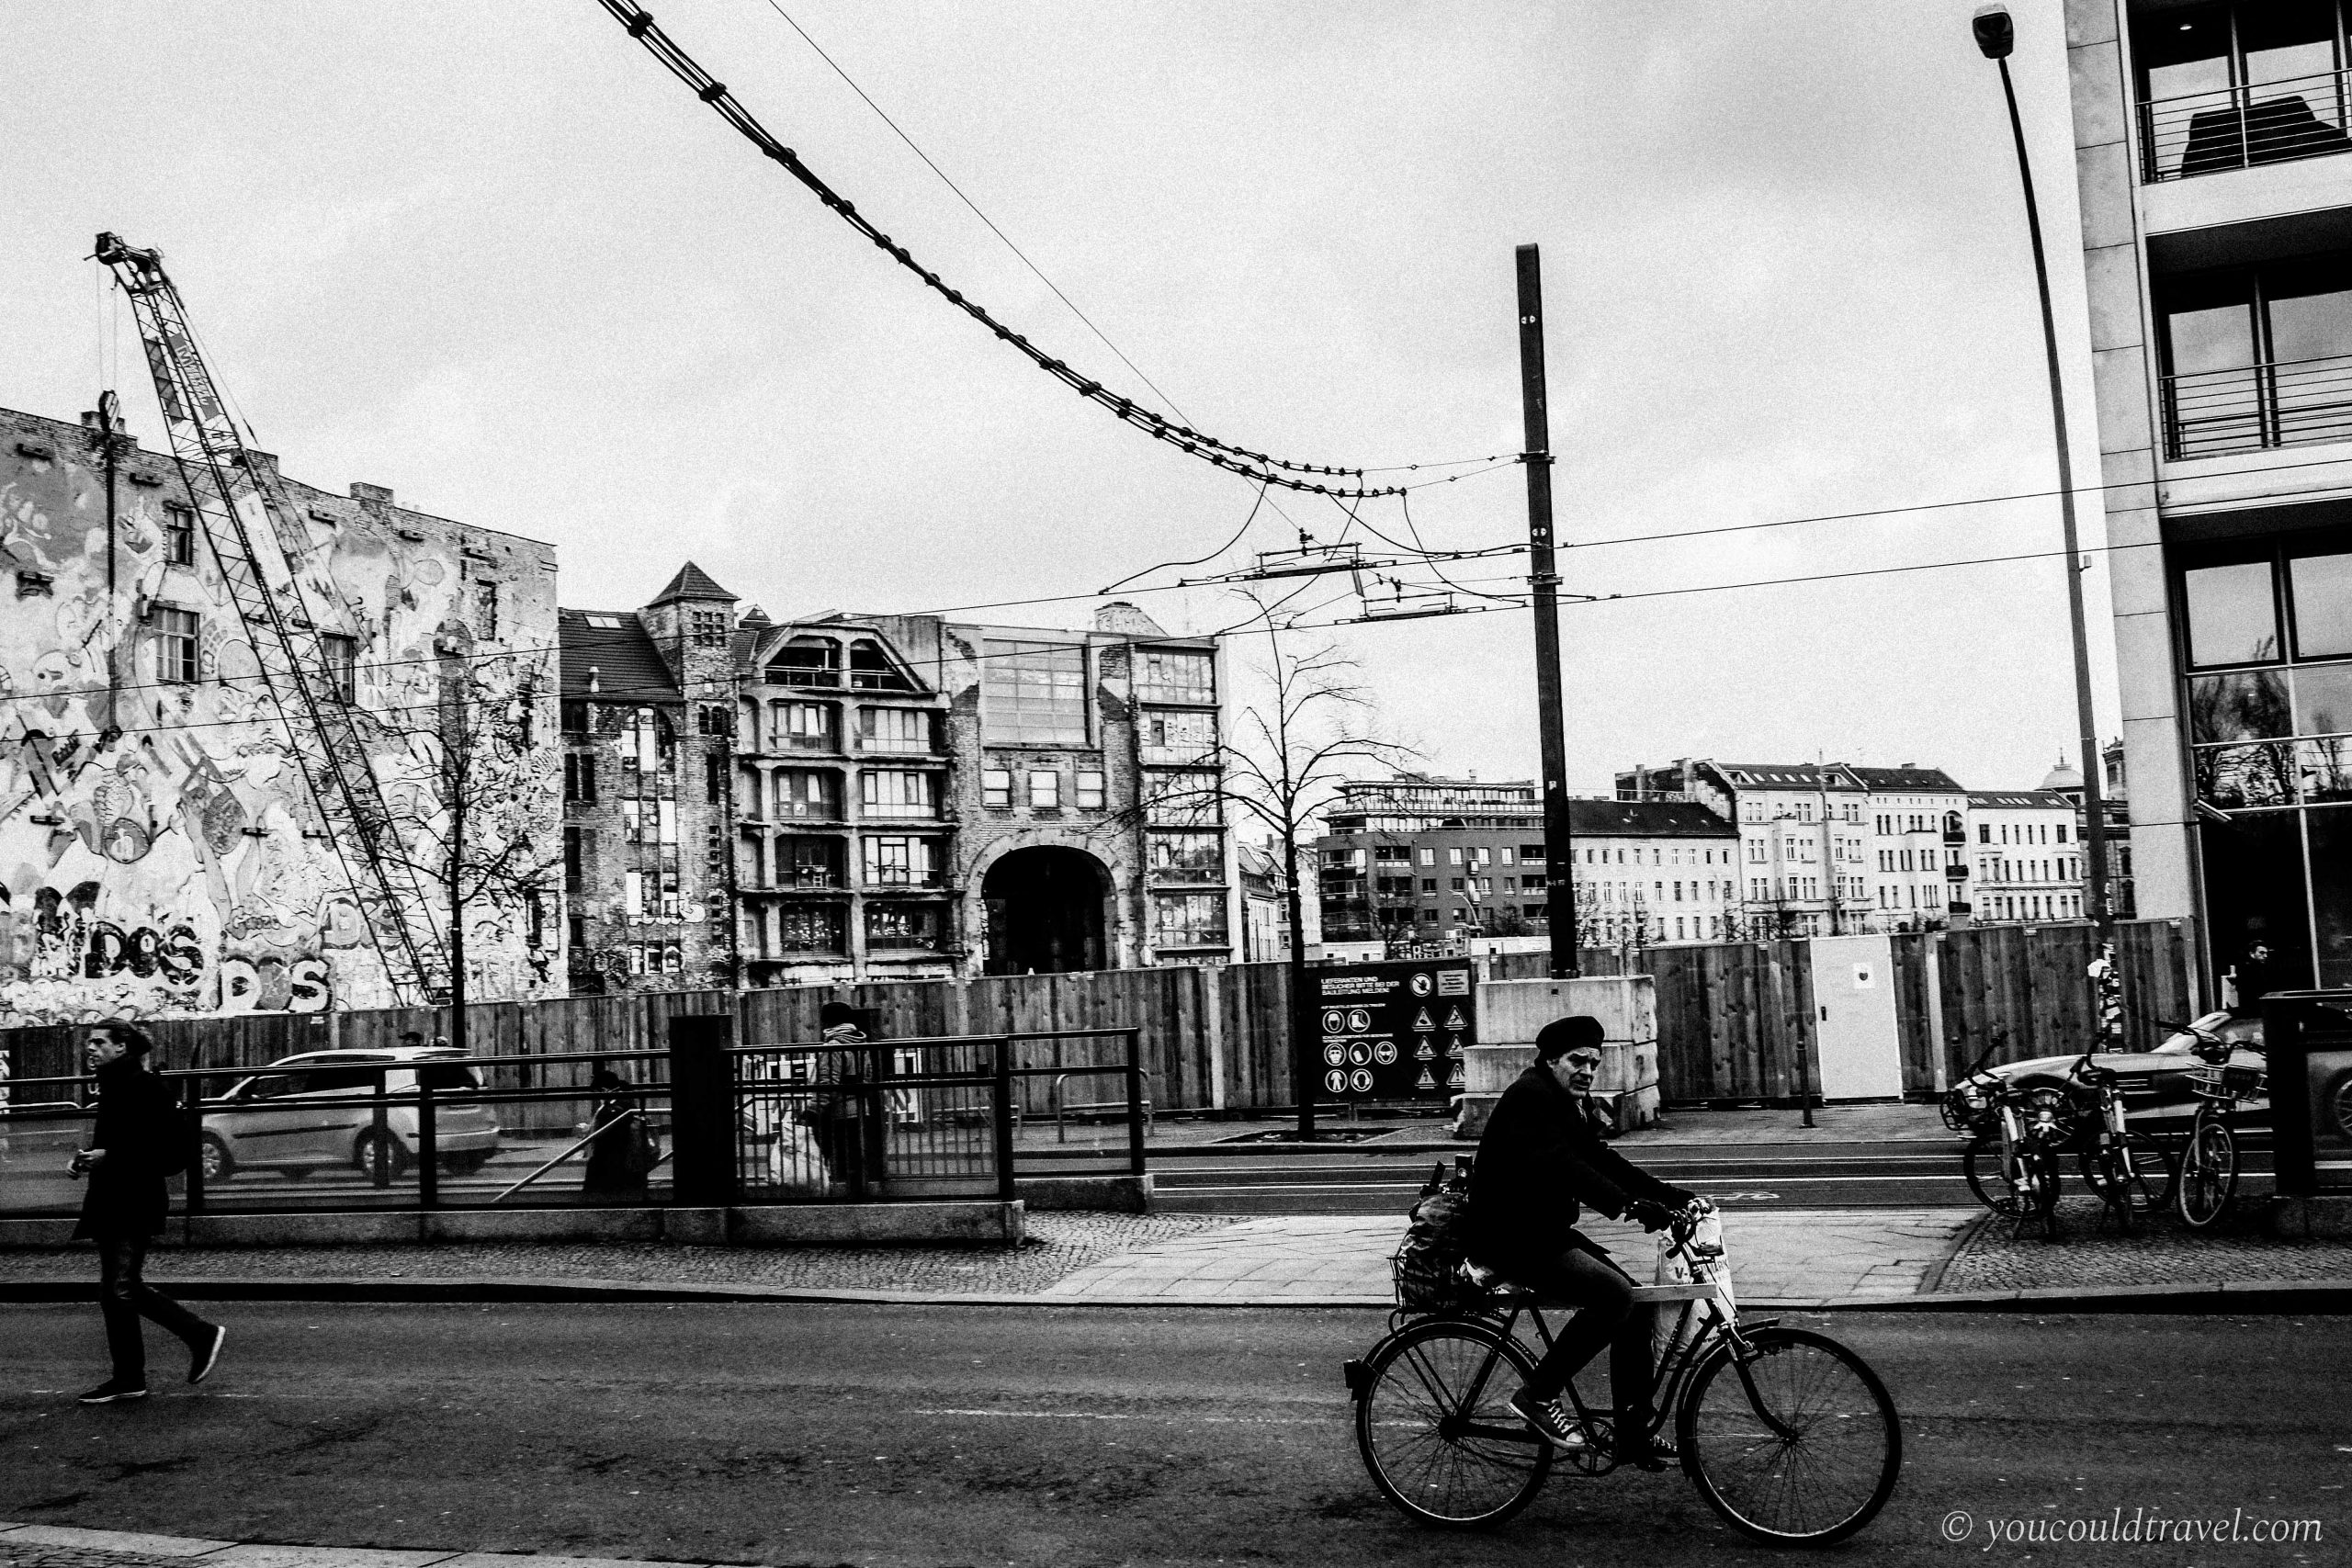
x=1787, y=1433
x=2209, y=1162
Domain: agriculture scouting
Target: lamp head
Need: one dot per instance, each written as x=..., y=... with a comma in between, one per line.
x=1996, y=33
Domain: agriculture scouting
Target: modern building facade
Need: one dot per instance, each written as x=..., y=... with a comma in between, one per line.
x=1417, y=859
x=161, y=851
x=2216, y=191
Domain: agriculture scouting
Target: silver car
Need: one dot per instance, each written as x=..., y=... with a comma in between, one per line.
x=310, y=1112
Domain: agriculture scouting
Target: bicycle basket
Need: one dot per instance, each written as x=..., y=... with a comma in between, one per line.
x=2227, y=1084
x=1969, y=1106
x=1429, y=1278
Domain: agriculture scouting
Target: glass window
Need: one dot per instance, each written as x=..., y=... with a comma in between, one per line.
x=894, y=862
x=1046, y=789
x=996, y=786
x=1089, y=791
x=2329, y=835
x=2320, y=589
x=2236, y=778
x=897, y=792
x=340, y=655
x=2250, y=705
x=1182, y=799
x=805, y=727
x=2286, y=40
x=1187, y=857
x=806, y=661
x=2232, y=618
x=818, y=928
x=901, y=927
x=175, y=645
x=1189, y=919
x=1035, y=693
x=1178, y=737
x=896, y=729
x=1175, y=675
x=2323, y=770
x=179, y=533
x=2323, y=699
x=871, y=669
x=2255, y=892
x=806, y=793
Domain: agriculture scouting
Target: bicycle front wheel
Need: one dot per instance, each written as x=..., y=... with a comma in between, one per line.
x=2133, y=1178
x=1795, y=1441
x=1437, y=1432
x=1981, y=1164
x=2208, y=1171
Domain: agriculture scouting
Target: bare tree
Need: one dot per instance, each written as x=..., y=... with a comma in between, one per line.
x=471, y=819
x=1293, y=748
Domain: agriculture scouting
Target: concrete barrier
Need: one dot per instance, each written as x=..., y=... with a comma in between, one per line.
x=1112, y=1194
x=1511, y=1014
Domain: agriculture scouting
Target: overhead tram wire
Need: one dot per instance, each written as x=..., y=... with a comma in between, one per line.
x=1255, y=465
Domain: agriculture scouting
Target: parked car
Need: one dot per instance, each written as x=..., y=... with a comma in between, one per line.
x=287, y=1117
x=2156, y=1082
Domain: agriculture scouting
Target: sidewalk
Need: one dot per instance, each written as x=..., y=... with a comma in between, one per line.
x=64, y=1546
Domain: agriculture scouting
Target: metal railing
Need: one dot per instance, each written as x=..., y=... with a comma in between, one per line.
x=421, y=1147
x=906, y=1118
x=2234, y=128
x=2210, y=412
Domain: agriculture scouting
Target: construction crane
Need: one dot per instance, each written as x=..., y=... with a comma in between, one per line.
x=274, y=576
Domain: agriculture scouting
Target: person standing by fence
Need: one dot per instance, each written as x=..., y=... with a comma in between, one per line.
x=140, y=1139
x=838, y=1111
x=622, y=1156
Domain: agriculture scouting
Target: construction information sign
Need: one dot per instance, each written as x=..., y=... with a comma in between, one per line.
x=1393, y=1032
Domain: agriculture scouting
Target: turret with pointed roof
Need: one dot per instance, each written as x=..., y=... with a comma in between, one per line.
x=692, y=583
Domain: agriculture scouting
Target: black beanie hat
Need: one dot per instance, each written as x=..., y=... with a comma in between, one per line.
x=1562, y=1036
x=833, y=1014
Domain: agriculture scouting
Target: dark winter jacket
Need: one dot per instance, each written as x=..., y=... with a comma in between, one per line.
x=1540, y=1159
x=138, y=1122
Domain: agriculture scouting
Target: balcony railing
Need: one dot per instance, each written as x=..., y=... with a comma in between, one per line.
x=2232, y=128
x=2209, y=412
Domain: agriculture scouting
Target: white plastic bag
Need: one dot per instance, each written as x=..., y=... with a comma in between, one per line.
x=795, y=1162
x=1678, y=1322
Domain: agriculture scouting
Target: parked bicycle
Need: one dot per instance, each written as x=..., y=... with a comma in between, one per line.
x=2021, y=1131
x=1786, y=1433
x=2209, y=1162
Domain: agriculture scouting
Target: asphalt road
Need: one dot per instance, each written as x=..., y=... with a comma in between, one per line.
x=1064, y=1436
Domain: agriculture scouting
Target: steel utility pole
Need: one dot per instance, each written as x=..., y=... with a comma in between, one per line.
x=1559, y=851
x=1996, y=35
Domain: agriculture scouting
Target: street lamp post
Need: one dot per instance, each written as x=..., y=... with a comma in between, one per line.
x=1997, y=36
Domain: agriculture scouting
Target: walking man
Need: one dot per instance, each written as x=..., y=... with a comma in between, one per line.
x=136, y=1144
x=1540, y=1157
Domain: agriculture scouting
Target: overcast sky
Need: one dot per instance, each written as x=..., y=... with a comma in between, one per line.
x=497, y=259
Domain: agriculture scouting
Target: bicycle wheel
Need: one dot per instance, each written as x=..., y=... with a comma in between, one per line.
x=1796, y=1443
x=1442, y=1444
x=1981, y=1163
x=2209, y=1170
x=2136, y=1181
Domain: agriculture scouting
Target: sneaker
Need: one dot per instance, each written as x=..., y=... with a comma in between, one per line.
x=108, y=1391
x=202, y=1354
x=1553, y=1423
x=1654, y=1455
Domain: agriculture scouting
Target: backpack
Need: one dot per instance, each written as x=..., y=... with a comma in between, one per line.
x=1428, y=1265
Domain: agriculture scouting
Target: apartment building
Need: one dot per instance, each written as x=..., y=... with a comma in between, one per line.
x=1803, y=831
x=647, y=711
x=2215, y=177
x=1421, y=859
x=2024, y=856
x=918, y=796
x=162, y=852
x=1918, y=825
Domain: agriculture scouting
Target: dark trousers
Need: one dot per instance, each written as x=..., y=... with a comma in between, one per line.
x=1607, y=1314
x=124, y=1297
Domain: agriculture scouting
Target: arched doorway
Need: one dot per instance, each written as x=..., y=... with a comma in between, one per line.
x=1044, y=911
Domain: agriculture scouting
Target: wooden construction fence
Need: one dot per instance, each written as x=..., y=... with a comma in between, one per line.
x=1735, y=1020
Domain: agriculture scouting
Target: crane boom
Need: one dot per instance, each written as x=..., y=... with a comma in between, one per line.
x=275, y=579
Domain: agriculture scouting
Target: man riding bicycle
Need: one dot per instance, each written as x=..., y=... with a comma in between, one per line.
x=1540, y=1159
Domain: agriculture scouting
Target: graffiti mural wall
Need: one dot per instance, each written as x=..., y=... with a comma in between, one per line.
x=160, y=851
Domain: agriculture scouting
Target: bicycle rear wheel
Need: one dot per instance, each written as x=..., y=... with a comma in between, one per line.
x=2137, y=1196
x=2209, y=1170
x=1981, y=1164
x=1797, y=1443
x=1436, y=1428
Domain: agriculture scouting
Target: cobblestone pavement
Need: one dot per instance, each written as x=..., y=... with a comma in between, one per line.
x=66, y=1546
x=1058, y=1244
x=32, y=1556
x=1991, y=1257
